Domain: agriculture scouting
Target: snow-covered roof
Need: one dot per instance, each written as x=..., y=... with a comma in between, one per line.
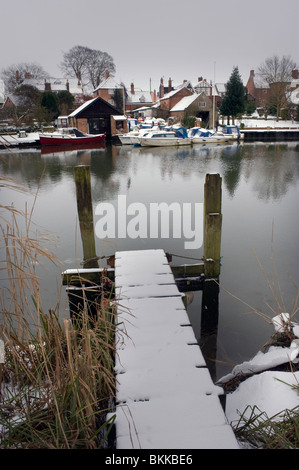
x=109, y=83
x=186, y=84
x=57, y=84
x=203, y=84
x=120, y=118
x=139, y=96
x=294, y=97
x=83, y=106
x=220, y=87
x=184, y=103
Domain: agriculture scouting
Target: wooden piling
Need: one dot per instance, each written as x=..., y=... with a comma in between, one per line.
x=85, y=214
x=212, y=225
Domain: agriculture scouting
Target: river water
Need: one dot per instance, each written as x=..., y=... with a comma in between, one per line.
x=260, y=196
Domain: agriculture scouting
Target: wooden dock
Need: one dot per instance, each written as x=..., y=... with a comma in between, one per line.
x=166, y=398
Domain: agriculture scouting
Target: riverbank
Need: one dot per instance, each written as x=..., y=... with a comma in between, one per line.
x=265, y=389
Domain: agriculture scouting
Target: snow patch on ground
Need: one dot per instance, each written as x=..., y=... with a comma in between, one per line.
x=271, y=392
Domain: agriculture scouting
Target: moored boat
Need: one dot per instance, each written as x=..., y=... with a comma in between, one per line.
x=70, y=136
x=165, y=138
x=233, y=132
x=199, y=135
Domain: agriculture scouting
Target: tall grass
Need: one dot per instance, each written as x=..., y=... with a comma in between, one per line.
x=57, y=379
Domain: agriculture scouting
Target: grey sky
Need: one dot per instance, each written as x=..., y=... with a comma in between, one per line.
x=152, y=39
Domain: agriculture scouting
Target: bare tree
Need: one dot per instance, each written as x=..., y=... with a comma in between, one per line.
x=74, y=62
x=87, y=65
x=277, y=74
x=98, y=63
x=14, y=75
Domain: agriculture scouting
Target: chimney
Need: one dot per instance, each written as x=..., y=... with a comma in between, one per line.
x=295, y=74
x=132, y=89
x=161, y=88
x=106, y=74
x=47, y=86
x=27, y=75
x=17, y=76
x=199, y=79
x=67, y=85
x=169, y=84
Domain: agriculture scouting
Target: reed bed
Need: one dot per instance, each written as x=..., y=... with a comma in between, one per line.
x=276, y=432
x=56, y=376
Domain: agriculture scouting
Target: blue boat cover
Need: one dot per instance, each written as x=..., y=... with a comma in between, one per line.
x=181, y=132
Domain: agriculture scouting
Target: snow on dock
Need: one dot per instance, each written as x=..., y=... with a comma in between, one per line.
x=166, y=398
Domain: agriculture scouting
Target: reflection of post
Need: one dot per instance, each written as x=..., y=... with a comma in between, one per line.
x=211, y=251
x=85, y=214
x=209, y=324
x=212, y=225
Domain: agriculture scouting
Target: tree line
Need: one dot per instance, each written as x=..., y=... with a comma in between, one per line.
x=275, y=73
x=89, y=66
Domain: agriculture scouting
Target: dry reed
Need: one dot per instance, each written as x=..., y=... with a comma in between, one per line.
x=57, y=379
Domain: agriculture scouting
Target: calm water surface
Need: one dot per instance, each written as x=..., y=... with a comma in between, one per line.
x=260, y=196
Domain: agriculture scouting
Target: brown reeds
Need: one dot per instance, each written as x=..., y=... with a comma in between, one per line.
x=57, y=378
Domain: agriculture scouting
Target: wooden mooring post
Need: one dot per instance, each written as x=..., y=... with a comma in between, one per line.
x=212, y=225
x=85, y=214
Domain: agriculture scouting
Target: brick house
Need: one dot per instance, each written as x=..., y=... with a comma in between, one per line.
x=136, y=98
x=257, y=90
x=167, y=101
x=108, y=90
x=260, y=92
x=198, y=105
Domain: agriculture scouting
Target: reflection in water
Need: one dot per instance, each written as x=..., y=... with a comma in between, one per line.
x=260, y=191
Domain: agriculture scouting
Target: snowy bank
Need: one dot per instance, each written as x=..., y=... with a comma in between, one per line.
x=256, y=122
x=270, y=391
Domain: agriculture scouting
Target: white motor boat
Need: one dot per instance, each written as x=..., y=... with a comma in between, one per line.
x=233, y=132
x=199, y=135
x=165, y=138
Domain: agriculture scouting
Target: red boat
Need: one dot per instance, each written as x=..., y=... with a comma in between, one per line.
x=70, y=136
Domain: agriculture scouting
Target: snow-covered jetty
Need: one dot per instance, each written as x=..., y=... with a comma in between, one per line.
x=166, y=398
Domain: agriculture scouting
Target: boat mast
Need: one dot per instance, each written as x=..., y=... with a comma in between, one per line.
x=213, y=91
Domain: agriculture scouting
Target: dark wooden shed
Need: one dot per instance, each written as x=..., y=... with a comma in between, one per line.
x=97, y=116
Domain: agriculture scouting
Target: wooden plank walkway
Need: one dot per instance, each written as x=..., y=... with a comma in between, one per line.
x=166, y=398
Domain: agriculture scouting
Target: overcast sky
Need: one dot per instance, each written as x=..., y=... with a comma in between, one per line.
x=152, y=39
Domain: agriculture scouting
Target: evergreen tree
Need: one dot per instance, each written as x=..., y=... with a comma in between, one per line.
x=233, y=102
x=50, y=103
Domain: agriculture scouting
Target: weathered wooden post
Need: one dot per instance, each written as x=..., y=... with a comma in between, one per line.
x=85, y=214
x=211, y=252
x=212, y=225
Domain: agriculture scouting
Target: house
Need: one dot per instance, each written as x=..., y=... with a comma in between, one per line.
x=73, y=85
x=167, y=101
x=12, y=102
x=202, y=86
x=198, y=105
x=137, y=98
x=260, y=91
x=97, y=116
x=111, y=92
x=257, y=89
